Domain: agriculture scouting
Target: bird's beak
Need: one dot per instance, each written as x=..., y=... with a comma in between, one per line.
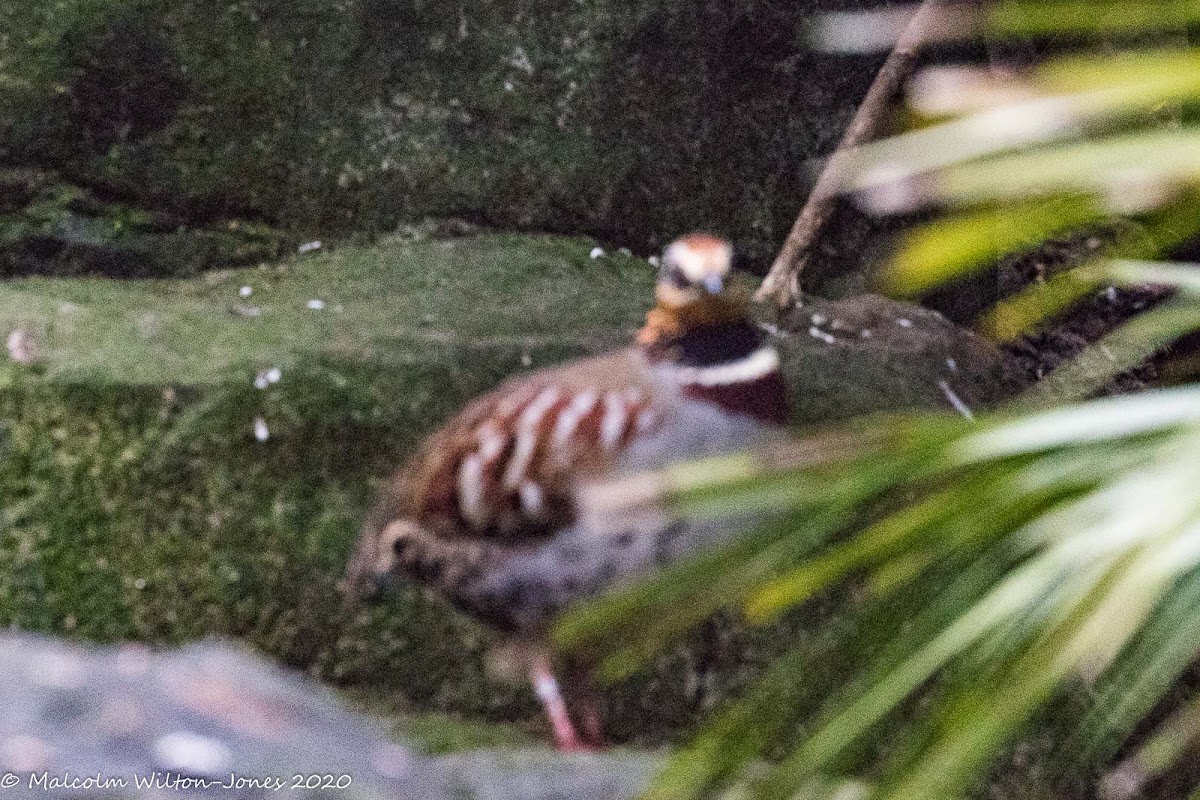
x=714, y=284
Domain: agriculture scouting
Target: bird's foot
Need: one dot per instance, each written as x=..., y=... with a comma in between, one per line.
x=576, y=745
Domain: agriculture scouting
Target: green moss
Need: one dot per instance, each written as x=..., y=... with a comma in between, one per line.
x=138, y=505
x=428, y=306
x=48, y=227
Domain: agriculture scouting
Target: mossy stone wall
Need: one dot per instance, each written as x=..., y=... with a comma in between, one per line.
x=629, y=121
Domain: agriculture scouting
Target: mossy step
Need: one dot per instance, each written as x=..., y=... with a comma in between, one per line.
x=138, y=503
x=492, y=293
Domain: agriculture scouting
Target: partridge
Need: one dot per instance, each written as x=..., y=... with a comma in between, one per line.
x=485, y=512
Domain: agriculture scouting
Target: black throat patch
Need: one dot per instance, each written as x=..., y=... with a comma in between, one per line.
x=710, y=345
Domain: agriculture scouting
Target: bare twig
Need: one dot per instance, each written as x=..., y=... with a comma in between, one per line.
x=782, y=284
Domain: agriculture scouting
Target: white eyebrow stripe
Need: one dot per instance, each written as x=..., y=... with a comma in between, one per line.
x=695, y=263
x=759, y=364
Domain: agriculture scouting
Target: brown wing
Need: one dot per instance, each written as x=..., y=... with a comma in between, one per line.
x=504, y=467
x=498, y=477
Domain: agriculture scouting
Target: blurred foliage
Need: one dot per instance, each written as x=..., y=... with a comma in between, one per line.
x=1006, y=157
x=629, y=121
x=993, y=567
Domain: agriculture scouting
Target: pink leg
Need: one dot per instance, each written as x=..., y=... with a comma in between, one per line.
x=546, y=687
x=586, y=702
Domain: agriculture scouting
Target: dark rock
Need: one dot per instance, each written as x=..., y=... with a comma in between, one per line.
x=868, y=353
x=629, y=123
x=122, y=76
x=18, y=187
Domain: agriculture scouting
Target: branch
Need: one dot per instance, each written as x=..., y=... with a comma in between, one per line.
x=782, y=284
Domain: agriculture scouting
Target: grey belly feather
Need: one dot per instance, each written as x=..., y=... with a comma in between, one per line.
x=522, y=589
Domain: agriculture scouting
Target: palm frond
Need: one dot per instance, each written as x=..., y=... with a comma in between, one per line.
x=1079, y=522
x=992, y=565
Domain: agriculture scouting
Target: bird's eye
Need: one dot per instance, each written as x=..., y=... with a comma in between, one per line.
x=677, y=279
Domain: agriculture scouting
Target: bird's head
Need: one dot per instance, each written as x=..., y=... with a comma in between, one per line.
x=694, y=269
x=693, y=288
